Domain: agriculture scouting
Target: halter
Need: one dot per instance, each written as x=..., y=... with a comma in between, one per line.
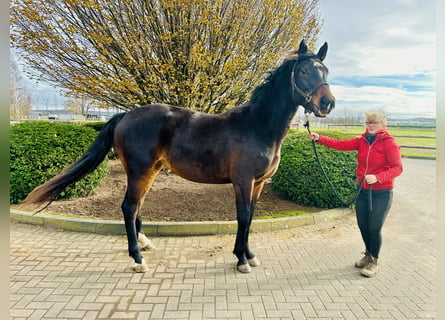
x=306, y=95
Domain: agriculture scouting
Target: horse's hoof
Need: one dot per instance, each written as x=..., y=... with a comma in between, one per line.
x=140, y=267
x=244, y=268
x=145, y=243
x=147, y=246
x=254, y=262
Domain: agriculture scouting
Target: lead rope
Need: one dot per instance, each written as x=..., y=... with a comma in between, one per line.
x=370, y=198
x=344, y=203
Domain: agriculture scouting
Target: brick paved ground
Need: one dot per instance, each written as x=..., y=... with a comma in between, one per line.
x=306, y=272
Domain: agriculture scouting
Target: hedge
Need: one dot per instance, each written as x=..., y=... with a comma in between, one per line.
x=97, y=126
x=40, y=150
x=300, y=179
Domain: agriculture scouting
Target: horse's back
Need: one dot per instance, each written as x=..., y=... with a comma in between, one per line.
x=182, y=139
x=145, y=122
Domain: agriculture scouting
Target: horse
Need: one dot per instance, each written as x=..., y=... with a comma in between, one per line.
x=240, y=146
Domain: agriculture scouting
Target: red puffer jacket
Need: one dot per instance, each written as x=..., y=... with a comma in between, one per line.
x=381, y=158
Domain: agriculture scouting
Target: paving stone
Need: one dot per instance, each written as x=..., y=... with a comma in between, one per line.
x=306, y=272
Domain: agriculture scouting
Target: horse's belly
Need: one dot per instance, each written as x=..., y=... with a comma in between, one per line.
x=199, y=171
x=203, y=178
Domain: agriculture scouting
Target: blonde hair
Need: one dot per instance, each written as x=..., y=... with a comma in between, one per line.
x=375, y=117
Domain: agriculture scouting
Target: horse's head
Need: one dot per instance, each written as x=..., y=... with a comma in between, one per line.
x=309, y=81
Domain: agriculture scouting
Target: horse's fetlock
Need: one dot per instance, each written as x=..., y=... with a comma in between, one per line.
x=140, y=267
x=249, y=254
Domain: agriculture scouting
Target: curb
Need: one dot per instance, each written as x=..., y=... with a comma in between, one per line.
x=115, y=227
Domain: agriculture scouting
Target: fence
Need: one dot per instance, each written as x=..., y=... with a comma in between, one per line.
x=416, y=145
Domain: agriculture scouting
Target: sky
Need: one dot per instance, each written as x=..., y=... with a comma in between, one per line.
x=381, y=57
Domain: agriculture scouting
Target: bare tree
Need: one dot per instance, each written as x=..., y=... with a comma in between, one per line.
x=20, y=99
x=78, y=106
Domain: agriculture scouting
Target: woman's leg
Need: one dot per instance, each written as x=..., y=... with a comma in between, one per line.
x=381, y=203
x=370, y=220
x=362, y=213
x=371, y=217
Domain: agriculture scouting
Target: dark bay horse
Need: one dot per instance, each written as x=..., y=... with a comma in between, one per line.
x=240, y=146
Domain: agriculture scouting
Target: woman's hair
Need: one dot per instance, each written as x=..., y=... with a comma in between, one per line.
x=375, y=117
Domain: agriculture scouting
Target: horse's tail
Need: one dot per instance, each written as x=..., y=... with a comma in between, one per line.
x=89, y=161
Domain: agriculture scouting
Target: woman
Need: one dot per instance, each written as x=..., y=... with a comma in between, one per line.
x=379, y=162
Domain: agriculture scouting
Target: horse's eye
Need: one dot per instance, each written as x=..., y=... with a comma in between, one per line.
x=303, y=72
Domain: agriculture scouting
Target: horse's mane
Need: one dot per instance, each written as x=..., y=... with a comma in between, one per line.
x=276, y=76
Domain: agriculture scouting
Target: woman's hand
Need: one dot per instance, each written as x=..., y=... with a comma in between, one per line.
x=314, y=136
x=371, y=179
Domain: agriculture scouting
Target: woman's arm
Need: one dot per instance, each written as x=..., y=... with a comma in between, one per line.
x=343, y=145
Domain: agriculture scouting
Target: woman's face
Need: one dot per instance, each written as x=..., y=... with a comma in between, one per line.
x=374, y=126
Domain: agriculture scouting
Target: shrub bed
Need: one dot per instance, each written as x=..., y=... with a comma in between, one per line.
x=97, y=126
x=40, y=150
x=299, y=178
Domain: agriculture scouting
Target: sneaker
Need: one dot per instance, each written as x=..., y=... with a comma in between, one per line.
x=363, y=261
x=371, y=268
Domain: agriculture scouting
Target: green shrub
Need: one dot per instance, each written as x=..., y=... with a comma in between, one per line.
x=299, y=177
x=40, y=150
x=98, y=125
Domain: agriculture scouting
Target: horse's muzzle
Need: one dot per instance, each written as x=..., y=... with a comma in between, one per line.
x=323, y=103
x=326, y=105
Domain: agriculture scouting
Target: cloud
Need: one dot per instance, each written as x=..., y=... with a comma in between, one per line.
x=384, y=99
x=410, y=83
x=381, y=53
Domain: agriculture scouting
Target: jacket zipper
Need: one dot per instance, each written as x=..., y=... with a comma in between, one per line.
x=367, y=157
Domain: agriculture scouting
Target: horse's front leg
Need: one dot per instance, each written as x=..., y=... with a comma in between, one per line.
x=243, y=195
x=251, y=259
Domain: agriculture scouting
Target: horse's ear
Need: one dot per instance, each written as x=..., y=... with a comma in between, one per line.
x=323, y=51
x=303, y=47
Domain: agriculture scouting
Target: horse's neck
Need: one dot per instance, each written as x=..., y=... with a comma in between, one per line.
x=274, y=116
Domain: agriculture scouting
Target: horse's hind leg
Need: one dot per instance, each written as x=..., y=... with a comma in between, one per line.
x=144, y=242
x=139, y=182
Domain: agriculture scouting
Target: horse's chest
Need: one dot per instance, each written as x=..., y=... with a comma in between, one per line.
x=268, y=165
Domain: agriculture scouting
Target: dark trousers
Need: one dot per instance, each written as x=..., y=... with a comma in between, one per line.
x=371, y=216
